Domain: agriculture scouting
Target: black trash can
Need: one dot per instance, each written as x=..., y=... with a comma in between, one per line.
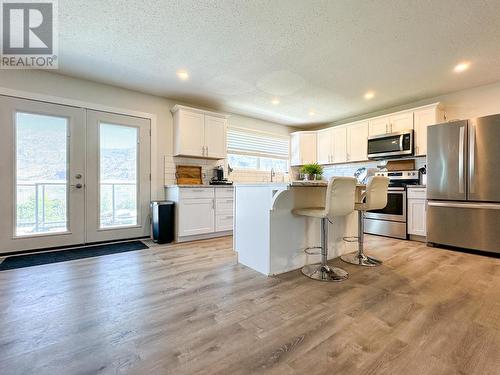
x=162, y=221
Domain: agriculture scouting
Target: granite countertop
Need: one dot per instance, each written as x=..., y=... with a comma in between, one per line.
x=199, y=186
x=261, y=184
x=312, y=183
x=322, y=183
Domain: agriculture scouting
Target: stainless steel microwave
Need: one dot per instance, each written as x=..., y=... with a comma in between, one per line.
x=391, y=145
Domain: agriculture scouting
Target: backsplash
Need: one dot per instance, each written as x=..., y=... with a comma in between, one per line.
x=207, y=167
x=255, y=176
x=348, y=169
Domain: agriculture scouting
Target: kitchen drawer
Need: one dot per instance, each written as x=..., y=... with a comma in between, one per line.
x=223, y=222
x=417, y=193
x=224, y=192
x=193, y=193
x=224, y=206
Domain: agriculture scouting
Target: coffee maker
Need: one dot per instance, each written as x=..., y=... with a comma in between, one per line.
x=218, y=178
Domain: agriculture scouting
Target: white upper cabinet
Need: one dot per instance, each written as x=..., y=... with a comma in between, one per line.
x=348, y=142
x=303, y=148
x=391, y=124
x=215, y=137
x=400, y=122
x=379, y=126
x=357, y=141
x=343, y=143
x=190, y=130
x=199, y=133
x=339, y=144
x=325, y=146
x=423, y=118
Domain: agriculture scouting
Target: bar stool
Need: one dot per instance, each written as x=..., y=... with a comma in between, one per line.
x=374, y=198
x=339, y=201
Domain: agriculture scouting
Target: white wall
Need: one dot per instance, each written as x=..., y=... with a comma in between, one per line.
x=469, y=103
x=46, y=83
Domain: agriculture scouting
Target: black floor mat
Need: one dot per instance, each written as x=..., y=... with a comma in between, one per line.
x=29, y=260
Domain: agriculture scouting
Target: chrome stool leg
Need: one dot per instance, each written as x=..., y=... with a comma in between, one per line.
x=359, y=258
x=323, y=271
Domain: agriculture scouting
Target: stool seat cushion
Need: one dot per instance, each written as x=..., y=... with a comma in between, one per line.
x=311, y=211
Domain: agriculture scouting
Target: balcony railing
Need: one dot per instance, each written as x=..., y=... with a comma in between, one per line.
x=42, y=206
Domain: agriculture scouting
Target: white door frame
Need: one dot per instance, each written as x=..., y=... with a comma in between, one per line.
x=103, y=108
x=75, y=160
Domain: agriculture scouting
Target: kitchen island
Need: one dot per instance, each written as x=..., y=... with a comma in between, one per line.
x=271, y=240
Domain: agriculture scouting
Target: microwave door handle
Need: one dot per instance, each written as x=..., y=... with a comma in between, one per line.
x=401, y=142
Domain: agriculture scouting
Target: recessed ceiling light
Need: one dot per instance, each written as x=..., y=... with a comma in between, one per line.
x=275, y=101
x=183, y=75
x=369, y=95
x=312, y=113
x=462, y=67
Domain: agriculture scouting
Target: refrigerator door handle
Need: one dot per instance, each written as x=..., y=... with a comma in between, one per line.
x=486, y=206
x=472, y=154
x=461, y=142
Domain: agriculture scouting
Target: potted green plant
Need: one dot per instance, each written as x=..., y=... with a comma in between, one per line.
x=312, y=171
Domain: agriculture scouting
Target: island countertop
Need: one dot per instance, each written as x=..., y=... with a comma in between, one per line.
x=295, y=183
x=198, y=186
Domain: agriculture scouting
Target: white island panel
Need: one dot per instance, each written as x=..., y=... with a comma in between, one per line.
x=271, y=240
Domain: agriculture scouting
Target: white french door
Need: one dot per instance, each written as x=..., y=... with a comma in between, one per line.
x=118, y=177
x=70, y=176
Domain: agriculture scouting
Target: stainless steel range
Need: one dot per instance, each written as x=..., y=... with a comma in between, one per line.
x=391, y=220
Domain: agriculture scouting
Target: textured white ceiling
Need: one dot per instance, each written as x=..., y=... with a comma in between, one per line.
x=312, y=55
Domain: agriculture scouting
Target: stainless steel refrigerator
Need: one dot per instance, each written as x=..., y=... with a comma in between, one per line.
x=463, y=184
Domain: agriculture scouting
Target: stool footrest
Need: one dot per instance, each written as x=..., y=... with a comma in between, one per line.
x=306, y=250
x=351, y=239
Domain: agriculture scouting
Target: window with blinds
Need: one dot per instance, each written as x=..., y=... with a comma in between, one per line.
x=249, y=149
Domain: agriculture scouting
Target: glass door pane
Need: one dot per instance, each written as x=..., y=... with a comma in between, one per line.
x=118, y=175
x=41, y=174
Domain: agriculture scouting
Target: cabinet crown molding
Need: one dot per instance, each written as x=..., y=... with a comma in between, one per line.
x=177, y=107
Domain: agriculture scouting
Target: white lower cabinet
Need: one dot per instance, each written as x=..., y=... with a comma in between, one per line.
x=223, y=222
x=417, y=212
x=202, y=211
x=196, y=216
x=223, y=209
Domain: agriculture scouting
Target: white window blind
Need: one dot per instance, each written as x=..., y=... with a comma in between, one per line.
x=247, y=142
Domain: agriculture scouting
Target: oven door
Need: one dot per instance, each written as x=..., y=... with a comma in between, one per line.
x=390, y=145
x=395, y=210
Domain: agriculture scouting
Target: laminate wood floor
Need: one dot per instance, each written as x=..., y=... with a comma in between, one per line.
x=190, y=308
